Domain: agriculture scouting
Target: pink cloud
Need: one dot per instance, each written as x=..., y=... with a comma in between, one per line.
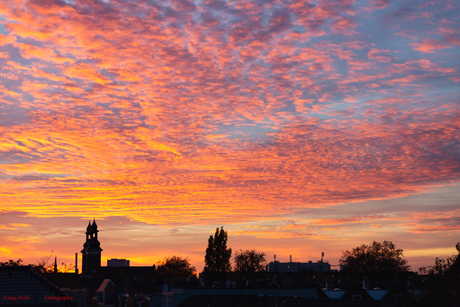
x=430, y=45
x=344, y=25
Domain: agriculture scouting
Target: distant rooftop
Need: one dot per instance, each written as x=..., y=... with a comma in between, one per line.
x=22, y=286
x=115, y=262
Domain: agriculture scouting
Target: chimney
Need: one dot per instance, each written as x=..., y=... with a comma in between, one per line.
x=76, y=263
x=365, y=282
x=290, y=258
x=328, y=284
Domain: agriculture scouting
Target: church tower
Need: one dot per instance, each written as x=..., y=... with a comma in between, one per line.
x=91, y=252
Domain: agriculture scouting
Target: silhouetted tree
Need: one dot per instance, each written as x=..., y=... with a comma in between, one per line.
x=443, y=282
x=375, y=259
x=249, y=264
x=217, y=258
x=67, y=267
x=11, y=262
x=43, y=266
x=441, y=266
x=175, y=269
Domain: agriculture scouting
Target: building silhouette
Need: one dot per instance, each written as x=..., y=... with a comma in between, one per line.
x=91, y=252
x=91, y=260
x=115, y=262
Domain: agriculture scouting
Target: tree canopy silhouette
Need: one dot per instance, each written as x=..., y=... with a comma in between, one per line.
x=377, y=258
x=217, y=258
x=11, y=262
x=443, y=281
x=443, y=266
x=249, y=262
x=249, y=265
x=175, y=268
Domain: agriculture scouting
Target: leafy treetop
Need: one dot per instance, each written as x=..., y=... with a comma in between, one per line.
x=249, y=262
x=443, y=266
x=175, y=268
x=374, y=259
x=217, y=258
x=11, y=262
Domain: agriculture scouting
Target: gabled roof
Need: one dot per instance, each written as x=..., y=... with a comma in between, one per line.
x=105, y=284
x=22, y=286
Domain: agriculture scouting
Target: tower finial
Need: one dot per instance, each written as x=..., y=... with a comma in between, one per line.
x=94, y=228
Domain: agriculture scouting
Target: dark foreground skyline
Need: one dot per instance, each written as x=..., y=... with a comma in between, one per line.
x=301, y=126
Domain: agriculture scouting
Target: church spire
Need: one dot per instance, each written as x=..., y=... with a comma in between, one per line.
x=94, y=229
x=88, y=231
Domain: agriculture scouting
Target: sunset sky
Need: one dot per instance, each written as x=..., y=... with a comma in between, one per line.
x=300, y=126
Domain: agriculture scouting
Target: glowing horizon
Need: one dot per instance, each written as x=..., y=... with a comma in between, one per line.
x=309, y=125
